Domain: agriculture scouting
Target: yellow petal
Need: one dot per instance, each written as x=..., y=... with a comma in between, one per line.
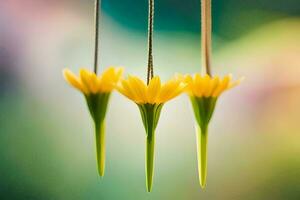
x=153, y=90
x=110, y=77
x=99, y=84
x=139, y=89
x=118, y=74
x=74, y=81
x=198, y=88
x=233, y=84
x=125, y=90
x=206, y=84
x=213, y=83
x=178, y=90
x=107, y=79
x=89, y=80
x=188, y=80
x=222, y=86
x=167, y=89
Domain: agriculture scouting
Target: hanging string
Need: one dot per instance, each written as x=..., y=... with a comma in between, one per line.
x=150, y=40
x=206, y=35
x=96, y=51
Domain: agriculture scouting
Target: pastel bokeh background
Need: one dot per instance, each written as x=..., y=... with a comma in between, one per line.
x=46, y=136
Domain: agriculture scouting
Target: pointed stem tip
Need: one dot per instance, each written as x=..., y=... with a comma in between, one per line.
x=202, y=154
x=150, y=143
x=150, y=115
x=100, y=147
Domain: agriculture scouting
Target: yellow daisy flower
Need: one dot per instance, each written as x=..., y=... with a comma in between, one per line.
x=154, y=93
x=206, y=86
x=97, y=90
x=204, y=92
x=150, y=100
x=89, y=83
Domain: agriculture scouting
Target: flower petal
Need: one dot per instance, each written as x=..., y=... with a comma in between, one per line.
x=198, y=88
x=153, y=89
x=126, y=90
x=139, y=89
x=89, y=80
x=108, y=79
x=235, y=83
x=213, y=83
x=189, y=84
x=178, y=90
x=168, y=89
x=222, y=86
x=73, y=80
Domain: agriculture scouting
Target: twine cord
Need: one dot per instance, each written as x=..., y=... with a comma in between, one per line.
x=150, y=41
x=97, y=27
x=206, y=30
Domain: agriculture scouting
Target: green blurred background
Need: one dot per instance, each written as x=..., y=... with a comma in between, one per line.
x=46, y=135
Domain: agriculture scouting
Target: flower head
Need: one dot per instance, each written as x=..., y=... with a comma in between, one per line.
x=204, y=92
x=150, y=100
x=89, y=83
x=154, y=93
x=206, y=86
x=97, y=90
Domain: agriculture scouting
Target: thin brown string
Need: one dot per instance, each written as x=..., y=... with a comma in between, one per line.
x=206, y=34
x=97, y=26
x=150, y=41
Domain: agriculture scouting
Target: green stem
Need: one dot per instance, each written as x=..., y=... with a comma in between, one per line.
x=150, y=143
x=100, y=147
x=202, y=153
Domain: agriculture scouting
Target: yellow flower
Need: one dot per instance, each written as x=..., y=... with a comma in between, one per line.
x=206, y=86
x=150, y=100
x=154, y=93
x=97, y=90
x=204, y=92
x=89, y=83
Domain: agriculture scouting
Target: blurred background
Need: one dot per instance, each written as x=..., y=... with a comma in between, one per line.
x=47, y=146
